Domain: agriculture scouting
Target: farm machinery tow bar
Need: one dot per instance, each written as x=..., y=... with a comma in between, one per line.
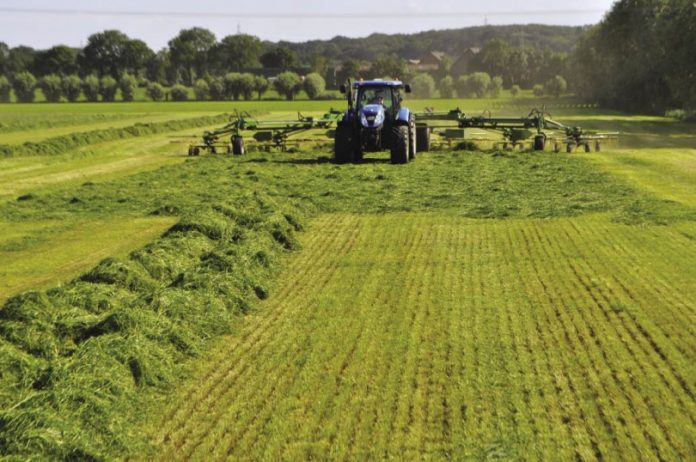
x=272, y=133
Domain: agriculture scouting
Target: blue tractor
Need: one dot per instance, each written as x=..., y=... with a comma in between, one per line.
x=375, y=121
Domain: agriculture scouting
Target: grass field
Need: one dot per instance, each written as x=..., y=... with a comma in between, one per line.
x=277, y=306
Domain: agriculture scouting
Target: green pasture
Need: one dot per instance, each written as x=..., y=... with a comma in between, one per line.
x=279, y=306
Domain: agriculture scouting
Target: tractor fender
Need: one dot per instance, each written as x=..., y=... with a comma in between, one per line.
x=348, y=116
x=402, y=118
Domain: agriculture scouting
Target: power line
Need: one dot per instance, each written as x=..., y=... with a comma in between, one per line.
x=295, y=16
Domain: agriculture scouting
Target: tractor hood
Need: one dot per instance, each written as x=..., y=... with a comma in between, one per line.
x=372, y=116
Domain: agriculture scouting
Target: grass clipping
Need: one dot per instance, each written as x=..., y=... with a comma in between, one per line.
x=78, y=361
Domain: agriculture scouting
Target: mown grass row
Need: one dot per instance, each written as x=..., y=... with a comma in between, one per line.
x=76, y=337
x=64, y=143
x=78, y=361
x=421, y=336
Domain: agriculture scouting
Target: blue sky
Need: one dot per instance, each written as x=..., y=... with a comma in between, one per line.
x=42, y=23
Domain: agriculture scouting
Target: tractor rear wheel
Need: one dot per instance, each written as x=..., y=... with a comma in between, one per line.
x=343, y=144
x=399, y=145
x=238, y=145
x=423, y=139
x=539, y=142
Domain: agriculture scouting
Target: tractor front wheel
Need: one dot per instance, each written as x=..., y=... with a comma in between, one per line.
x=343, y=144
x=238, y=145
x=400, y=145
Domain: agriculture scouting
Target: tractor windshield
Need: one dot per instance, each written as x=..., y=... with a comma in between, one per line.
x=375, y=95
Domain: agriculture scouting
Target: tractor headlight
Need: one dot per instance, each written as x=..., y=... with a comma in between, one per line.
x=379, y=119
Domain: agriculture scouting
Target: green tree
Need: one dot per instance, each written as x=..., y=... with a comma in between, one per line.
x=104, y=53
x=233, y=85
x=20, y=59
x=493, y=57
x=5, y=89
x=155, y=91
x=319, y=64
x=90, y=87
x=447, y=87
x=107, y=88
x=260, y=85
x=128, y=84
x=314, y=85
x=288, y=84
x=24, y=85
x=350, y=69
x=179, y=93
x=202, y=90
x=555, y=86
x=235, y=52
x=189, y=52
x=279, y=57
x=538, y=90
x=391, y=67
x=60, y=59
x=72, y=87
x=515, y=90
x=478, y=84
x=52, y=87
x=216, y=86
x=495, y=87
x=4, y=58
x=159, y=68
x=423, y=86
x=136, y=56
x=462, y=87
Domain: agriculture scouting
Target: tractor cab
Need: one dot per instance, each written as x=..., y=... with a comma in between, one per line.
x=375, y=121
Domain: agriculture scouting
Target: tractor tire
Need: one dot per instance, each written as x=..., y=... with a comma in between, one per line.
x=412, y=138
x=343, y=144
x=587, y=147
x=539, y=142
x=597, y=146
x=423, y=139
x=569, y=148
x=399, y=145
x=238, y=146
x=190, y=151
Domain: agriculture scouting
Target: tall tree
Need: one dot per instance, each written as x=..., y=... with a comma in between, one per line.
x=235, y=52
x=104, y=53
x=136, y=55
x=20, y=59
x=189, y=52
x=280, y=57
x=60, y=59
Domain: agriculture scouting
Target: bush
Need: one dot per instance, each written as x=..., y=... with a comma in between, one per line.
x=72, y=87
x=423, y=86
x=288, y=84
x=51, y=87
x=202, y=90
x=447, y=87
x=107, y=88
x=314, y=85
x=246, y=85
x=155, y=91
x=216, y=87
x=179, y=93
x=90, y=87
x=239, y=85
x=462, y=86
x=538, y=90
x=5, y=88
x=478, y=84
x=495, y=87
x=260, y=85
x=24, y=85
x=555, y=86
x=515, y=90
x=128, y=84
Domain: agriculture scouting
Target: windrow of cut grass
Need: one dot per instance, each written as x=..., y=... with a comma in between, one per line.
x=78, y=360
x=64, y=143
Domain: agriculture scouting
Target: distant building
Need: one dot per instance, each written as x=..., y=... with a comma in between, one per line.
x=429, y=62
x=462, y=65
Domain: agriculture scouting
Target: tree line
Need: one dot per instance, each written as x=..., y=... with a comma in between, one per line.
x=640, y=57
x=112, y=62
